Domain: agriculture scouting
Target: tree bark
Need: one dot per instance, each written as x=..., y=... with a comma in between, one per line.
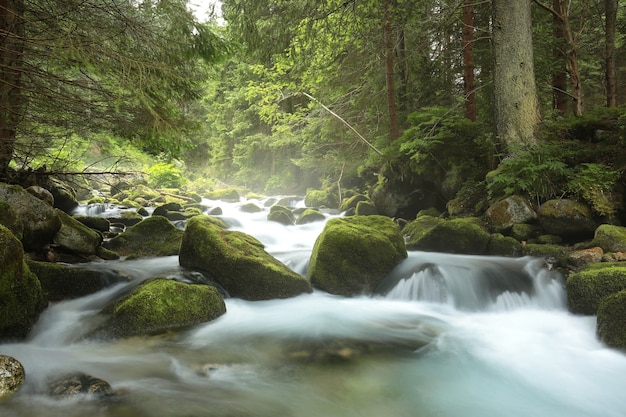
x=11, y=59
x=560, y=98
x=394, y=131
x=468, y=60
x=572, y=58
x=516, y=104
x=609, y=55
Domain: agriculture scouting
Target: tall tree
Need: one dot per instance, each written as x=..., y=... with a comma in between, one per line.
x=101, y=65
x=516, y=103
x=560, y=98
x=394, y=131
x=468, y=60
x=611, y=7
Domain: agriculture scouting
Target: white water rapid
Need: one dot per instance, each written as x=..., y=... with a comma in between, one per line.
x=448, y=336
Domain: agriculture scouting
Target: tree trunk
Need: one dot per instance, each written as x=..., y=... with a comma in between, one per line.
x=11, y=58
x=572, y=58
x=609, y=56
x=468, y=60
x=394, y=131
x=516, y=104
x=560, y=98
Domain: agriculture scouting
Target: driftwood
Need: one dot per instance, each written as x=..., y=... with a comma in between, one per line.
x=176, y=196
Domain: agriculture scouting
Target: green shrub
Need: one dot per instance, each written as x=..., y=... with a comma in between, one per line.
x=162, y=175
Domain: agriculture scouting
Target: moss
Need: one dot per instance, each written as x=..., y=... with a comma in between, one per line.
x=503, y=246
x=21, y=296
x=350, y=203
x=281, y=214
x=353, y=255
x=153, y=236
x=365, y=208
x=250, y=208
x=142, y=191
x=225, y=194
x=8, y=218
x=463, y=235
x=310, y=215
x=161, y=304
x=524, y=232
x=418, y=228
x=587, y=288
x=611, y=323
x=610, y=238
x=238, y=262
x=321, y=198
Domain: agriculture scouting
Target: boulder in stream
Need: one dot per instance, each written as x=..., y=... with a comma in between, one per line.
x=238, y=262
x=570, y=219
x=153, y=236
x=161, y=304
x=462, y=235
x=76, y=237
x=79, y=383
x=11, y=375
x=21, y=296
x=39, y=219
x=587, y=288
x=353, y=255
x=611, y=324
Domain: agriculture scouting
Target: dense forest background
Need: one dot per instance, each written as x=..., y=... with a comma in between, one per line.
x=279, y=96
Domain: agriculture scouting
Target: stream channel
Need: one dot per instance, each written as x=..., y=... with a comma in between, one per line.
x=448, y=336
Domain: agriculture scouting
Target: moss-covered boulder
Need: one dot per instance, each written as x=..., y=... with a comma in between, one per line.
x=64, y=281
x=610, y=238
x=321, y=198
x=500, y=245
x=310, y=215
x=587, y=288
x=570, y=219
x=554, y=254
x=238, y=262
x=64, y=194
x=353, y=255
x=611, y=323
x=153, y=236
x=94, y=222
x=365, y=208
x=142, y=191
x=351, y=202
x=281, y=214
x=9, y=219
x=524, y=232
x=462, y=235
x=11, y=375
x=39, y=219
x=503, y=214
x=161, y=304
x=225, y=194
x=250, y=208
x=21, y=296
x=75, y=237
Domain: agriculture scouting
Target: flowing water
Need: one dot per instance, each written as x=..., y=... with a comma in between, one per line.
x=448, y=336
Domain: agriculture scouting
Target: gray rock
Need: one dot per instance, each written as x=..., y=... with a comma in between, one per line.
x=11, y=375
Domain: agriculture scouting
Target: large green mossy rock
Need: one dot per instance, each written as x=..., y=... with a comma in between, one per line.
x=161, y=304
x=225, y=194
x=353, y=255
x=310, y=215
x=462, y=235
x=9, y=219
x=64, y=281
x=21, y=296
x=153, y=236
x=503, y=214
x=587, y=288
x=281, y=214
x=610, y=238
x=238, y=262
x=567, y=218
x=611, y=323
x=76, y=237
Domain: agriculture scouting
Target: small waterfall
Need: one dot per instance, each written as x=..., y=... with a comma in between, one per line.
x=475, y=283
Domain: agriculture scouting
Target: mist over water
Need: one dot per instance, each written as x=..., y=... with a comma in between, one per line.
x=447, y=336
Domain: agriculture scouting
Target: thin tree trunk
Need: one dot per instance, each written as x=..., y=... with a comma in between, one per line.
x=516, y=104
x=560, y=98
x=11, y=58
x=611, y=82
x=468, y=59
x=394, y=131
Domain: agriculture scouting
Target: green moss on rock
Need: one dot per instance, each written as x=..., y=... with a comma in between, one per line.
x=238, y=262
x=162, y=304
x=501, y=245
x=462, y=235
x=611, y=323
x=225, y=194
x=281, y=214
x=321, y=198
x=153, y=236
x=587, y=288
x=353, y=255
x=610, y=238
x=310, y=215
x=21, y=296
x=415, y=230
x=350, y=203
x=365, y=208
